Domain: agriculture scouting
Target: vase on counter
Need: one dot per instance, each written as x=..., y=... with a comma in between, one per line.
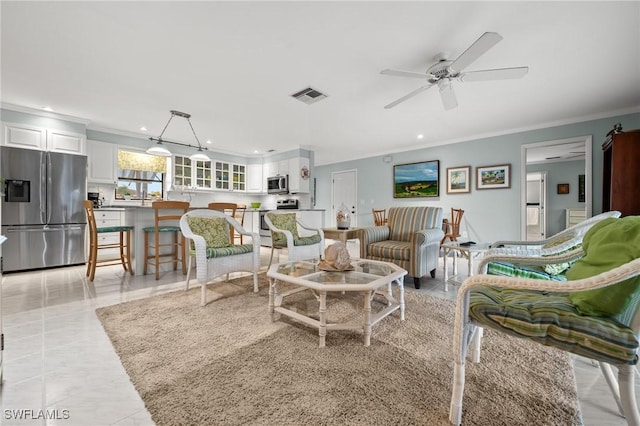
x=342, y=217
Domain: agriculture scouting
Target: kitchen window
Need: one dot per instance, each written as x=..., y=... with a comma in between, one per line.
x=140, y=176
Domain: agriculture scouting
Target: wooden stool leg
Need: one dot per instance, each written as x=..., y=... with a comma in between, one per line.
x=122, y=259
x=89, y=259
x=157, y=255
x=146, y=253
x=128, y=252
x=174, y=250
x=93, y=259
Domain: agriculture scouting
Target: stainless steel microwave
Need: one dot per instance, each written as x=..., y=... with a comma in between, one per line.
x=278, y=184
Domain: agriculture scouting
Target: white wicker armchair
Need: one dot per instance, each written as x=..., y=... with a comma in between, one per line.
x=470, y=318
x=214, y=262
x=298, y=247
x=562, y=241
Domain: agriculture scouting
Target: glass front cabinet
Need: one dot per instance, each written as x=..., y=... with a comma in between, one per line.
x=217, y=175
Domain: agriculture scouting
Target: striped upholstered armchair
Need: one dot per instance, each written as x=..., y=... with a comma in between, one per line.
x=410, y=239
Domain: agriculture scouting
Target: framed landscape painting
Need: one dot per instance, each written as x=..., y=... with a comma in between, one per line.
x=458, y=180
x=416, y=179
x=493, y=177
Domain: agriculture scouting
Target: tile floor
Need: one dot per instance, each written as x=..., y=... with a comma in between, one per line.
x=59, y=362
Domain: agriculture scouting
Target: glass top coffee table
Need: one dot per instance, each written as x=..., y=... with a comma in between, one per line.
x=369, y=278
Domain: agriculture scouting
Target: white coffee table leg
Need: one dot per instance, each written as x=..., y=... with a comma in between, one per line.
x=367, y=318
x=445, y=256
x=272, y=293
x=322, y=330
x=401, y=288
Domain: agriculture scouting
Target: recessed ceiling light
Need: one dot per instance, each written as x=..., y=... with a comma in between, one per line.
x=209, y=142
x=143, y=128
x=255, y=151
x=420, y=136
x=47, y=108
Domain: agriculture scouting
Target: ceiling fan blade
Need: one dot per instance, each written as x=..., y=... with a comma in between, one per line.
x=399, y=73
x=408, y=96
x=447, y=94
x=477, y=49
x=496, y=74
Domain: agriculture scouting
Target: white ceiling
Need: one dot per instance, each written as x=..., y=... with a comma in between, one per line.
x=233, y=67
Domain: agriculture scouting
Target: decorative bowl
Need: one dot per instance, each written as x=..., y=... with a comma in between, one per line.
x=255, y=205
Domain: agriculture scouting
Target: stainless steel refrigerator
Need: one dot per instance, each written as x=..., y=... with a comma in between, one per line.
x=42, y=213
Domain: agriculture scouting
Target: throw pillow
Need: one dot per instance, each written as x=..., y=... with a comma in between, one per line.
x=214, y=230
x=558, y=268
x=607, y=245
x=286, y=221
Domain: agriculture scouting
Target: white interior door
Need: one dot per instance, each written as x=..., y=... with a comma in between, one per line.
x=536, y=197
x=344, y=191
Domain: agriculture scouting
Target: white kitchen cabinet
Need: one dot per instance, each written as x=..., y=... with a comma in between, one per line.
x=283, y=167
x=238, y=177
x=254, y=178
x=43, y=139
x=70, y=143
x=23, y=136
x=229, y=176
x=102, y=158
x=299, y=175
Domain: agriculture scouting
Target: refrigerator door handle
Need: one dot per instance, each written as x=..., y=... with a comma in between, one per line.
x=45, y=229
x=44, y=207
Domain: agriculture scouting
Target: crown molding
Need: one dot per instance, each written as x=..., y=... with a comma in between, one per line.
x=42, y=113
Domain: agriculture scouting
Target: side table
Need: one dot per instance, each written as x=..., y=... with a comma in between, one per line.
x=341, y=234
x=470, y=252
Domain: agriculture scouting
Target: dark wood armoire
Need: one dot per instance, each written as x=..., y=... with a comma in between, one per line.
x=621, y=172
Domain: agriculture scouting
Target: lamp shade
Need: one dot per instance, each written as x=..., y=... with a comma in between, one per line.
x=199, y=156
x=159, y=149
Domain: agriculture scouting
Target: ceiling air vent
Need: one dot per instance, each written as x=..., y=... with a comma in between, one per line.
x=309, y=95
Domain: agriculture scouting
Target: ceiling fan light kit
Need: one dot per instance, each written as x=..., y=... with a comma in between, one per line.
x=160, y=150
x=444, y=71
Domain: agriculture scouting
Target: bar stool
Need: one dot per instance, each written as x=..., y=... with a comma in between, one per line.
x=170, y=211
x=124, y=245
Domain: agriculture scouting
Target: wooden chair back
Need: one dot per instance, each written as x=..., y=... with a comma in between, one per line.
x=174, y=210
x=452, y=229
x=379, y=217
x=227, y=208
x=91, y=221
x=239, y=216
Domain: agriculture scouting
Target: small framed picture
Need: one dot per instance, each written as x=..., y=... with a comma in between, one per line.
x=493, y=177
x=563, y=188
x=459, y=180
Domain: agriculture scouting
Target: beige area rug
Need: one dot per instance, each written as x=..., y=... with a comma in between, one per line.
x=229, y=364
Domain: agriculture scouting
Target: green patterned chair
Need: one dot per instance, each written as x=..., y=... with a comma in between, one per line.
x=595, y=313
x=410, y=239
x=213, y=250
x=285, y=233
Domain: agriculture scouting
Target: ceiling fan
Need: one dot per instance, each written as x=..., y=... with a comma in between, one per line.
x=445, y=71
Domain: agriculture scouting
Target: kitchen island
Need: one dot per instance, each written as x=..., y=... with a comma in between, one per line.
x=141, y=217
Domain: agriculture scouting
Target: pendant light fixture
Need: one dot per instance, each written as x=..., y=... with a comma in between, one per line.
x=160, y=149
